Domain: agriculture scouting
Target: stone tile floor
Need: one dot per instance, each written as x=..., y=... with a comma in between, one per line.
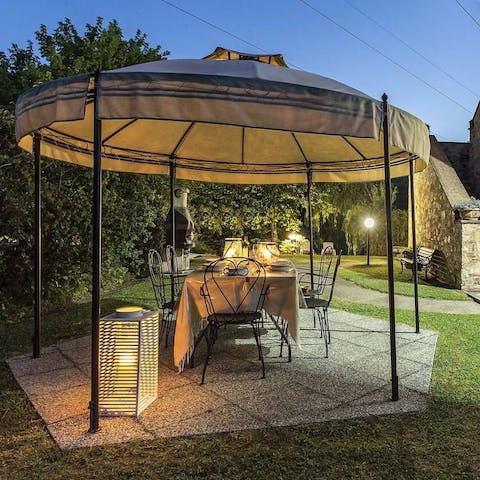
x=353, y=382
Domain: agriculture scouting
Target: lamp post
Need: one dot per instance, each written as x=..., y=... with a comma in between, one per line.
x=369, y=223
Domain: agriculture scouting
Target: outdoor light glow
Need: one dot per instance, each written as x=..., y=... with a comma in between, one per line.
x=232, y=248
x=369, y=222
x=267, y=252
x=127, y=358
x=295, y=237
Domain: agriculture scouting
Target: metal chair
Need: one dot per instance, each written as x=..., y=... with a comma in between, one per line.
x=229, y=303
x=174, y=271
x=165, y=291
x=319, y=303
x=320, y=277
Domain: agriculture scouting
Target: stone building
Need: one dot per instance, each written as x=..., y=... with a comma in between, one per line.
x=448, y=210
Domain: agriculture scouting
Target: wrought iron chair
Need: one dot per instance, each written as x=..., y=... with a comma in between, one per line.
x=240, y=306
x=165, y=291
x=174, y=271
x=319, y=303
x=320, y=277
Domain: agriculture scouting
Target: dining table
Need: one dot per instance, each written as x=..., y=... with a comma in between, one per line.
x=282, y=302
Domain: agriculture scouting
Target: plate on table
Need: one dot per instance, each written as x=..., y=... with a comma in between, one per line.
x=239, y=271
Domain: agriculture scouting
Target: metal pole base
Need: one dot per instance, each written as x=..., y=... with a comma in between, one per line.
x=94, y=425
x=395, y=389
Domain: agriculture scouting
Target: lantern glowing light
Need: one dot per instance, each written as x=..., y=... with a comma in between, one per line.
x=267, y=252
x=234, y=247
x=128, y=363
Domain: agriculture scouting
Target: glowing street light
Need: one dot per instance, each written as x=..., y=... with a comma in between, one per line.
x=369, y=223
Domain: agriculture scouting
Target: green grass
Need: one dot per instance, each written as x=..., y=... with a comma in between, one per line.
x=375, y=277
x=440, y=443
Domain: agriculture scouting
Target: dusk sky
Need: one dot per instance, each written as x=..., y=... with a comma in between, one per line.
x=423, y=53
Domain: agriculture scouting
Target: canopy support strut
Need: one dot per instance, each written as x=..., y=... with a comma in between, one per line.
x=172, y=209
x=38, y=244
x=388, y=211
x=172, y=196
x=414, y=242
x=310, y=219
x=96, y=261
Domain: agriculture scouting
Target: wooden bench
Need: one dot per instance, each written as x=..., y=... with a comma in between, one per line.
x=424, y=260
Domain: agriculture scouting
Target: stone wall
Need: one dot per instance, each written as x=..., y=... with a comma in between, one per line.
x=435, y=221
x=437, y=190
x=471, y=252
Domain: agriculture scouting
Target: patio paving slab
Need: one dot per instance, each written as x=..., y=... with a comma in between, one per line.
x=353, y=382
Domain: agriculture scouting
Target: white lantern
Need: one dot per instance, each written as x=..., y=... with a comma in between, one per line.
x=234, y=248
x=128, y=363
x=267, y=252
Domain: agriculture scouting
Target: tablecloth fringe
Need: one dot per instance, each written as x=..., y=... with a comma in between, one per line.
x=186, y=358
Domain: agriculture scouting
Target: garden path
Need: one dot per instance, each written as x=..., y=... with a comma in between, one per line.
x=347, y=290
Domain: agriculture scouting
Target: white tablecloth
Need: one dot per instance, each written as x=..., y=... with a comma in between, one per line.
x=283, y=299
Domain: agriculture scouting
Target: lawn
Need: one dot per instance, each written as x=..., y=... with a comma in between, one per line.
x=440, y=443
x=375, y=277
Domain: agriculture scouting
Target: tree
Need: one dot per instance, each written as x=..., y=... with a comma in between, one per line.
x=131, y=205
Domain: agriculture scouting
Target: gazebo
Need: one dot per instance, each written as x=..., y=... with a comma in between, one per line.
x=231, y=118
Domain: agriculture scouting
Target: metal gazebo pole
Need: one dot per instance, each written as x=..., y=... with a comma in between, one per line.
x=172, y=195
x=310, y=221
x=414, y=242
x=38, y=244
x=388, y=210
x=96, y=259
x=172, y=224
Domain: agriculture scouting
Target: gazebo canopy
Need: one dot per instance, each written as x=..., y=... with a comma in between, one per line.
x=237, y=121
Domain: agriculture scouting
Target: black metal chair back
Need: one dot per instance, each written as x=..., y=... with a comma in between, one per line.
x=319, y=303
x=173, y=270
x=227, y=302
x=331, y=278
x=320, y=277
x=158, y=278
x=162, y=283
x=324, y=269
x=217, y=294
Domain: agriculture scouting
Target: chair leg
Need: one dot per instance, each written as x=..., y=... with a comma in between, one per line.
x=168, y=325
x=210, y=338
x=163, y=326
x=327, y=324
x=285, y=332
x=318, y=316
x=324, y=328
x=196, y=342
x=259, y=345
x=282, y=327
x=255, y=334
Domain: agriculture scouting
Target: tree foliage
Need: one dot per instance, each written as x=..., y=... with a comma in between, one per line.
x=132, y=204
